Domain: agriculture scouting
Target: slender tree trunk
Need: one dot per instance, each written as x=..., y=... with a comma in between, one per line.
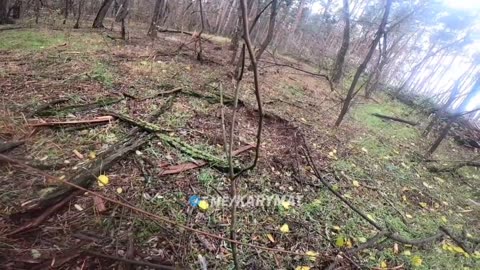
x=199, y=55
x=152, y=31
x=363, y=65
x=65, y=12
x=4, y=12
x=338, y=68
x=271, y=28
x=102, y=12
x=37, y=10
x=79, y=14
x=440, y=138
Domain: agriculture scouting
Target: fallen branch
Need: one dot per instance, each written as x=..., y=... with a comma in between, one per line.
x=391, y=235
x=100, y=119
x=190, y=165
x=174, y=142
x=86, y=176
x=45, y=106
x=213, y=98
x=7, y=146
x=129, y=261
x=455, y=167
x=44, y=216
x=174, y=90
x=395, y=119
x=81, y=107
x=304, y=71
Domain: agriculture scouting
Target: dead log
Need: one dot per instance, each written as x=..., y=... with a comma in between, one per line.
x=99, y=119
x=395, y=119
x=86, y=175
x=7, y=146
x=174, y=90
x=455, y=167
x=81, y=107
x=190, y=165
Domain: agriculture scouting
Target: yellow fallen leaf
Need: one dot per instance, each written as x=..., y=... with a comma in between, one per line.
x=286, y=205
x=119, y=190
x=416, y=261
x=284, y=228
x=408, y=216
x=312, y=255
x=365, y=150
x=336, y=228
x=270, y=237
x=340, y=241
x=423, y=204
x=92, y=155
x=348, y=243
x=370, y=217
x=457, y=249
x=407, y=253
x=102, y=180
x=302, y=268
x=444, y=219
x=203, y=205
x=355, y=183
x=383, y=265
x=404, y=198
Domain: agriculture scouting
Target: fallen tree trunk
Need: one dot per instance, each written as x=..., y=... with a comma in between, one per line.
x=7, y=146
x=455, y=167
x=190, y=165
x=395, y=119
x=81, y=107
x=182, y=146
x=85, y=176
x=100, y=119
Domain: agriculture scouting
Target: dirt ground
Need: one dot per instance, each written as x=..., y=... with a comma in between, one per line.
x=371, y=162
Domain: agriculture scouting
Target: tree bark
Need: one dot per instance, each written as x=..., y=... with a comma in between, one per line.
x=102, y=12
x=363, y=65
x=4, y=12
x=152, y=31
x=79, y=14
x=338, y=69
x=440, y=138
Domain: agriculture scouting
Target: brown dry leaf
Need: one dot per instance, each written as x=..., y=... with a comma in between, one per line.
x=78, y=154
x=99, y=204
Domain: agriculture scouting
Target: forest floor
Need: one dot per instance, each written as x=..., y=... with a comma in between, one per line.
x=373, y=163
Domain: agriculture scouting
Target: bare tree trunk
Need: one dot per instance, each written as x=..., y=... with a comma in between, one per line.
x=37, y=11
x=338, y=68
x=65, y=12
x=363, y=65
x=102, y=12
x=79, y=14
x=199, y=55
x=271, y=28
x=4, y=12
x=440, y=138
x=152, y=31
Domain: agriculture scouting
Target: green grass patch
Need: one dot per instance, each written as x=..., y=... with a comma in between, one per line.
x=30, y=40
x=102, y=73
